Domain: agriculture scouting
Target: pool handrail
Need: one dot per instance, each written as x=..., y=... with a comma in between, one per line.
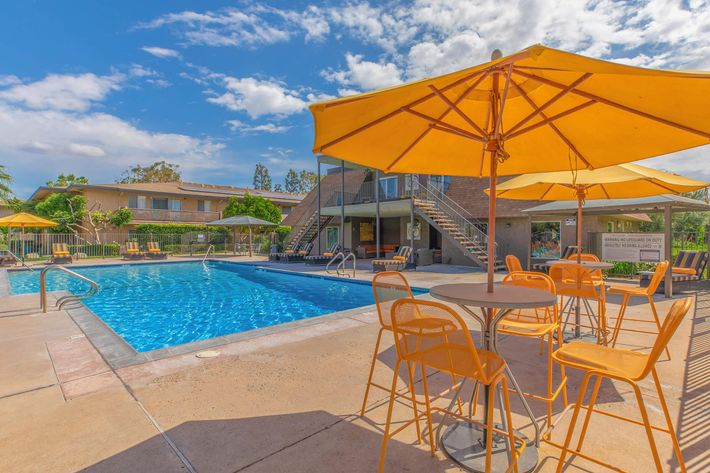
x=21, y=261
x=93, y=290
x=341, y=267
x=340, y=254
x=209, y=248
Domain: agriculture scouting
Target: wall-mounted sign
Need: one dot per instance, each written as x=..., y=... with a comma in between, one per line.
x=571, y=222
x=633, y=247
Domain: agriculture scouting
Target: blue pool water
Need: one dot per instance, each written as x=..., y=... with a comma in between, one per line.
x=162, y=305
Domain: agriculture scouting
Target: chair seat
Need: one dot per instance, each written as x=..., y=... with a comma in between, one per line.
x=615, y=361
x=630, y=290
x=457, y=360
x=525, y=329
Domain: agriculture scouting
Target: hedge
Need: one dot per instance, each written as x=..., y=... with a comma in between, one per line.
x=177, y=229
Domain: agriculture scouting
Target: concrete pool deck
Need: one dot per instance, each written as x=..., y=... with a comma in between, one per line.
x=288, y=401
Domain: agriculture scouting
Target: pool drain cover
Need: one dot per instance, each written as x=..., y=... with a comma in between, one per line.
x=207, y=354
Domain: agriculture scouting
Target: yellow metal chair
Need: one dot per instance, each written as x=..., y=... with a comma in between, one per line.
x=647, y=292
x=597, y=276
x=440, y=340
x=622, y=365
x=537, y=323
x=513, y=263
x=576, y=281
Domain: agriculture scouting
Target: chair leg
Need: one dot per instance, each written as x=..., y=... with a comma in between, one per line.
x=372, y=371
x=657, y=320
x=647, y=426
x=474, y=400
x=669, y=423
x=619, y=319
x=489, y=426
x=388, y=422
x=410, y=372
x=549, y=380
x=509, y=421
x=588, y=416
x=573, y=421
x=560, y=342
x=430, y=430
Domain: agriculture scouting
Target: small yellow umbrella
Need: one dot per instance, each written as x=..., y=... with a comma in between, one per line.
x=22, y=220
x=614, y=182
x=537, y=110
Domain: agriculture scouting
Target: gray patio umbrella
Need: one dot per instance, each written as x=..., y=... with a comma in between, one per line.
x=243, y=221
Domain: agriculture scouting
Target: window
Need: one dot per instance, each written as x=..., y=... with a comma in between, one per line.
x=388, y=187
x=204, y=205
x=159, y=204
x=136, y=201
x=545, y=240
x=610, y=227
x=175, y=204
x=332, y=236
x=285, y=210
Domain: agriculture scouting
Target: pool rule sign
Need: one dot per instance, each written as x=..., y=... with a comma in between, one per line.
x=633, y=247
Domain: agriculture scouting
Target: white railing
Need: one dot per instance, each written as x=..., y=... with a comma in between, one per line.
x=207, y=253
x=92, y=291
x=341, y=269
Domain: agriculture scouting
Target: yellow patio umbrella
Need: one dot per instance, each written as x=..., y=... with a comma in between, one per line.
x=622, y=181
x=537, y=110
x=22, y=220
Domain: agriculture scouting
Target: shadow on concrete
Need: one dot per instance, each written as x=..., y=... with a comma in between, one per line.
x=313, y=442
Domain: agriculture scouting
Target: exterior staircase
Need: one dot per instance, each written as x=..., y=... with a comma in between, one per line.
x=447, y=217
x=307, y=232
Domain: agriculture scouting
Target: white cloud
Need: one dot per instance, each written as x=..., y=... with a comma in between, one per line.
x=161, y=52
x=6, y=80
x=456, y=52
x=259, y=97
x=236, y=125
x=63, y=92
x=365, y=74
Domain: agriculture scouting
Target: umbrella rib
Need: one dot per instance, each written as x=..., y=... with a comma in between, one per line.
x=441, y=117
x=606, y=193
x=553, y=118
x=394, y=112
x=653, y=181
x=452, y=106
x=443, y=126
x=486, y=125
x=542, y=197
x=551, y=125
x=611, y=103
x=541, y=108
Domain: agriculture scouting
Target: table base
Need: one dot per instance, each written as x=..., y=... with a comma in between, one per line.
x=463, y=442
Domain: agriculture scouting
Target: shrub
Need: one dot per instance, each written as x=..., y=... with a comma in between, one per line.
x=178, y=229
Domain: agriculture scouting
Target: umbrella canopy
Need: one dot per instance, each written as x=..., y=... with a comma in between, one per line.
x=614, y=182
x=242, y=221
x=23, y=219
x=537, y=110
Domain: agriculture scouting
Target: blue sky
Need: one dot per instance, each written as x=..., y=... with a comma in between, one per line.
x=92, y=87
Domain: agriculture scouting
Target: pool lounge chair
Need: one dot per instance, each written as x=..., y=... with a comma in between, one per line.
x=288, y=251
x=132, y=251
x=325, y=257
x=297, y=256
x=688, y=268
x=6, y=259
x=397, y=263
x=154, y=251
x=60, y=253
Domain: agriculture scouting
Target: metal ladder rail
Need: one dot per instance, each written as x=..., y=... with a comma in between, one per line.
x=340, y=254
x=22, y=262
x=93, y=289
x=207, y=253
x=341, y=269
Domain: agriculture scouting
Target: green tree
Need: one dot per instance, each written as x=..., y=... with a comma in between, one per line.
x=5, y=181
x=292, y=182
x=278, y=188
x=68, y=180
x=262, y=179
x=160, y=171
x=307, y=180
x=68, y=210
x=253, y=205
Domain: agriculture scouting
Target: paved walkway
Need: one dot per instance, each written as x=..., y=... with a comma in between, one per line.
x=286, y=401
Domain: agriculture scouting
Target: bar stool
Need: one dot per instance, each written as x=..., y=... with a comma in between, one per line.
x=622, y=365
x=576, y=281
x=440, y=340
x=647, y=292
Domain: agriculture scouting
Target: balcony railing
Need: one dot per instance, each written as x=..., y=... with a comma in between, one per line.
x=182, y=216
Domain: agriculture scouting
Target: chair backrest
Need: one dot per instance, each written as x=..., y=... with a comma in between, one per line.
x=658, y=275
x=60, y=248
x=434, y=333
x=568, y=251
x=334, y=248
x=513, y=263
x=306, y=249
x=388, y=287
x=584, y=257
x=573, y=280
x=404, y=253
x=534, y=280
x=132, y=246
x=695, y=260
x=153, y=246
x=670, y=324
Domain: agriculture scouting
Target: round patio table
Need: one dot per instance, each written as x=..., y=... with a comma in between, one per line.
x=591, y=265
x=464, y=442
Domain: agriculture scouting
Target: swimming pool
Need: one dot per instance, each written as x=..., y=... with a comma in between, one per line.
x=160, y=305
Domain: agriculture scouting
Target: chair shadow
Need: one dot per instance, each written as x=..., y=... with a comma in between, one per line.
x=314, y=441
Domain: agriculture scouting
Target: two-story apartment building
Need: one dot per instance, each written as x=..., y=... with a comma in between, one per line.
x=448, y=216
x=168, y=202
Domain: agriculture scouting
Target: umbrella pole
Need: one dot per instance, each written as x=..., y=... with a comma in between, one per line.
x=577, y=308
x=492, y=223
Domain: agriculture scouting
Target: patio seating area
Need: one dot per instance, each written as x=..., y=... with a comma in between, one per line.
x=295, y=397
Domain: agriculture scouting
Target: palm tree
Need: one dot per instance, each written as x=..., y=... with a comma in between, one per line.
x=5, y=180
